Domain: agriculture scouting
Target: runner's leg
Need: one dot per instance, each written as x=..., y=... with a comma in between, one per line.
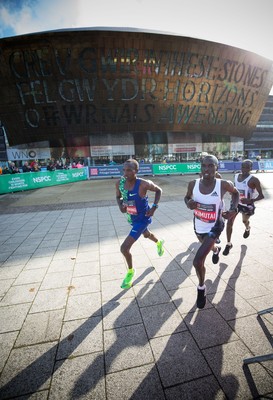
x=149, y=235
x=246, y=221
x=125, y=250
x=159, y=243
x=199, y=265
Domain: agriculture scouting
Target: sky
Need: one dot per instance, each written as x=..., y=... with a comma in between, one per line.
x=246, y=24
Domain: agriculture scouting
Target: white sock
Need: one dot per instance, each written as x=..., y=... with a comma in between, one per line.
x=201, y=287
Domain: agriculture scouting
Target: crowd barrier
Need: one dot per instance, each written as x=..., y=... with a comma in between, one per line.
x=146, y=169
x=109, y=171
x=35, y=180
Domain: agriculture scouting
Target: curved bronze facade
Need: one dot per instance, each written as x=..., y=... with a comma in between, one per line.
x=64, y=84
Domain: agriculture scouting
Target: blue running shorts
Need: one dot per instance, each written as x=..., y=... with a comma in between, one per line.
x=138, y=228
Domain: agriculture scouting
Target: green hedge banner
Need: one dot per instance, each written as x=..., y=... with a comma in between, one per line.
x=34, y=180
x=187, y=168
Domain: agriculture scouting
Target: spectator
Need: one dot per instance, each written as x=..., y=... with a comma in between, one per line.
x=59, y=165
x=13, y=168
x=6, y=171
x=67, y=164
x=26, y=167
x=36, y=167
x=50, y=166
x=260, y=164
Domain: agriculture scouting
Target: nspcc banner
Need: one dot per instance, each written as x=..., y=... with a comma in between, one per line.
x=187, y=168
x=35, y=180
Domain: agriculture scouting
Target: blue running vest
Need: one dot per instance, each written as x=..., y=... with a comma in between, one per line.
x=136, y=205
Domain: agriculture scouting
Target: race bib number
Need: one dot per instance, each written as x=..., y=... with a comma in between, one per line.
x=205, y=212
x=241, y=194
x=131, y=207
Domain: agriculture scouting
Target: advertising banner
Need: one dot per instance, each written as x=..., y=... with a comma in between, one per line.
x=173, y=168
x=117, y=170
x=34, y=180
x=230, y=166
x=29, y=151
x=227, y=166
x=107, y=171
x=186, y=168
x=265, y=165
x=17, y=154
x=145, y=169
x=112, y=150
x=176, y=148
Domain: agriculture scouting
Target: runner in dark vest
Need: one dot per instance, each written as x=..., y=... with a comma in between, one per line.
x=131, y=195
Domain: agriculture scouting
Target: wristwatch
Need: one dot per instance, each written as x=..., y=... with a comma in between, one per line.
x=155, y=205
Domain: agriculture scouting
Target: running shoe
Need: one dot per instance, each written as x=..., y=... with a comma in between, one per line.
x=201, y=297
x=215, y=257
x=246, y=233
x=227, y=249
x=160, y=249
x=127, y=281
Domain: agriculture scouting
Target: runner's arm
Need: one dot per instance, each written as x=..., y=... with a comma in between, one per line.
x=227, y=186
x=254, y=183
x=190, y=203
x=119, y=199
x=150, y=185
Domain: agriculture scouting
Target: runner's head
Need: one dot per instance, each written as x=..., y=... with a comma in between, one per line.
x=209, y=166
x=133, y=164
x=246, y=167
x=130, y=168
x=212, y=158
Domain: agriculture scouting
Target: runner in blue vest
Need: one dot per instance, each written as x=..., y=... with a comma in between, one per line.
x=131, y=195
x=205, y=197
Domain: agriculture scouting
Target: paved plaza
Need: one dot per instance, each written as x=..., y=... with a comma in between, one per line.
x=68, y=331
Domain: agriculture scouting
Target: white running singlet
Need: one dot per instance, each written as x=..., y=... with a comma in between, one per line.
x=208, y=208
x=244, y=190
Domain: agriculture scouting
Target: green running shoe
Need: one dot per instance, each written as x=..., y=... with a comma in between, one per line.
x=127, y=281
x=160, y=249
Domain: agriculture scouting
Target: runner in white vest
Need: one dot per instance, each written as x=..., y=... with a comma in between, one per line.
x=205, y=197
x=250, y=191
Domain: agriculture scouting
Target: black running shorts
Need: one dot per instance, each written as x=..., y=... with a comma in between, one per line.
x=248, y=209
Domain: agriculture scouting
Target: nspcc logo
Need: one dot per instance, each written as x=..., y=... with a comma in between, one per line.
x=166, y=168
x=193, y=167
x=41, y=179
x=77, y=174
